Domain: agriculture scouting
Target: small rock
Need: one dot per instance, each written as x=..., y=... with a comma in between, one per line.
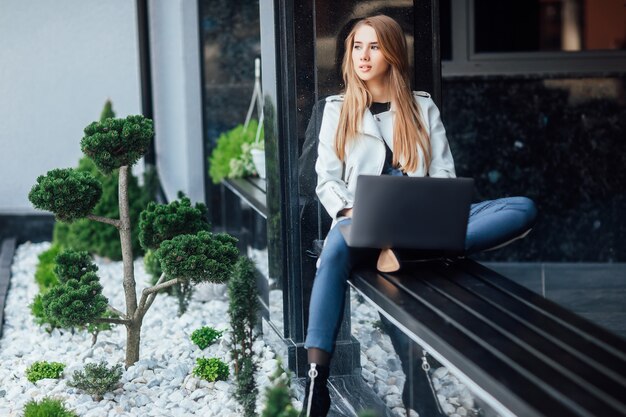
x=197, y=394
x=440, y=372
x=448, y=408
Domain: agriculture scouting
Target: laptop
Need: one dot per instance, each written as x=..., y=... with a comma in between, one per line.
x=410, y=213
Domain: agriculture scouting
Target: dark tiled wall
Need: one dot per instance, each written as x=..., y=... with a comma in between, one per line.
x=561, y=142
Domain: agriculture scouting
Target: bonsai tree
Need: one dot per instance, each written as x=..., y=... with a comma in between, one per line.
x=115, y=145
x=99, y=238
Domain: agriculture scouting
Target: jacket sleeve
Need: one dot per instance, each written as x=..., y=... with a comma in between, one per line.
x=331, y=189
x=441, y=164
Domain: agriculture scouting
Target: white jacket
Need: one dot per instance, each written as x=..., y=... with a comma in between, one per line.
x=336, y=180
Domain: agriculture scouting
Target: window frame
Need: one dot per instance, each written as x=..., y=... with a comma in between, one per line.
x=467, y=62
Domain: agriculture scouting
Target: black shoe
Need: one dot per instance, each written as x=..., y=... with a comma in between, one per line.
x=316, y=401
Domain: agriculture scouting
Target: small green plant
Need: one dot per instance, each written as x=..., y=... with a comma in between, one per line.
x=205, y=336
x=242, y=309
x=229, y=159
x=97, y=379
x=48, y=407
x=44, y=274
x=211, y=369
x=43, y=369
x=278, y=396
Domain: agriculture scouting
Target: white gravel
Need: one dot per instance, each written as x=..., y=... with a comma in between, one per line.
x=160, y=384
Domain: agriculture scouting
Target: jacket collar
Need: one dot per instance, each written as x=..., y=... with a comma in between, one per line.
x=370, y=126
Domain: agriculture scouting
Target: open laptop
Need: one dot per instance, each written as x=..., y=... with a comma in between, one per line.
x=410, y=213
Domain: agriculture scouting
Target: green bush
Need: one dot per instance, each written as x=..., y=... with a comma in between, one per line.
x=48, y=407
x=278, y=397
x=203, y=257
x=242, y=309
x=97, y=379
x=211, y=369
x=230, y=148
x=205, y=336
x=44, y=274
x=71, y=264
x=113, y=143
x=42, y=369
x=39, y=313
x=75, y=303
x=68, y=193
x=161, y=222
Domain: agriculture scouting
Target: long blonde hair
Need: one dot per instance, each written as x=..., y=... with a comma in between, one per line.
x=408, y=129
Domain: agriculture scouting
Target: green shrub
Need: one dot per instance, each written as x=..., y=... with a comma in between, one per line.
x=75, y=303
x=71, y=264
x=97, y=379
x=39, y=313
x=278, y=397
x=211, y=369
x=246, y=390
x=203, y=257
x=152, y=265
x=205, y=336
x=48, y=407
x=160, y=222
x=44, y=274
x=242, y=310
x=68, y=193
x=229, y=148
x=42, y=369
x=113, y=143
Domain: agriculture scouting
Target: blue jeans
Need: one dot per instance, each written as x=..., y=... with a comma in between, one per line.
x=490, y=224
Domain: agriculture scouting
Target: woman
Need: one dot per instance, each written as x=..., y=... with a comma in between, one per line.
x=380, y=127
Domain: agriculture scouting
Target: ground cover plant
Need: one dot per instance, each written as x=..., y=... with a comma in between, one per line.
x=97, y=379
x=48, y=407
x=43, y=369
x=205, y=336
x=186, y=255
x=211, y=369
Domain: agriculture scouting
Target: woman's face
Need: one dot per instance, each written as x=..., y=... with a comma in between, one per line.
x=368, y=60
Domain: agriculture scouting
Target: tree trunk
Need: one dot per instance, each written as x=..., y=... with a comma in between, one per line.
x=133, y=338
x=133, y=329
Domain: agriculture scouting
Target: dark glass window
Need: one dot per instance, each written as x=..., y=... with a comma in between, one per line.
x=445, y=29
x=549, y=25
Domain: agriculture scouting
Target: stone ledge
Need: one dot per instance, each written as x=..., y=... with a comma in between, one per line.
x=6, y=257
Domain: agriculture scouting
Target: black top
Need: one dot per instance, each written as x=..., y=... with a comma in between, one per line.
x=388, y=168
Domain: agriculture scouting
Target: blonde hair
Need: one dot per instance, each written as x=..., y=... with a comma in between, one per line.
x=409, y=132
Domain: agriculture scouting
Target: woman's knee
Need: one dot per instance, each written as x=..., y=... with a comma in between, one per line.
x=529, y=209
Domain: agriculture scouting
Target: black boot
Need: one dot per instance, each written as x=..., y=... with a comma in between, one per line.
x=316, y=401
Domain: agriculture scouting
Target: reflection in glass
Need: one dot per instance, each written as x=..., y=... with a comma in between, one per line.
x=230, y=41
x=394, y=367
x=549, y=25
